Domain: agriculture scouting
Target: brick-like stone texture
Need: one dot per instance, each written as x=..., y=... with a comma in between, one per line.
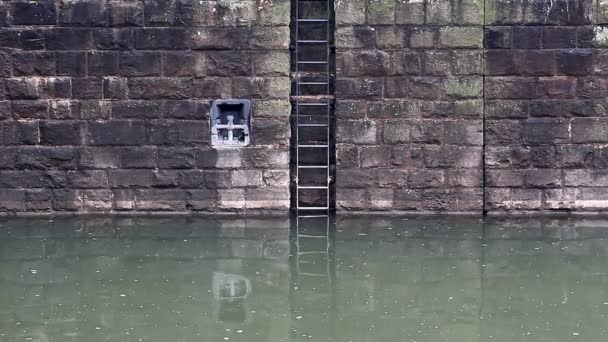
x=104, y=104
x=545, y=106
x=409, y=105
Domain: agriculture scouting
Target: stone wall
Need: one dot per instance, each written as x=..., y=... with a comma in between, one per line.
x=442, y=105
x=104, y=104
x=545, y=91
x=451, y=106
x=409, y=105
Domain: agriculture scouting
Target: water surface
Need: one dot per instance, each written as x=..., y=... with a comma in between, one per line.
x=258, y=280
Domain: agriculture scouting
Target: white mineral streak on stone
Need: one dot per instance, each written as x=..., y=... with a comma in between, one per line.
x=600, y=35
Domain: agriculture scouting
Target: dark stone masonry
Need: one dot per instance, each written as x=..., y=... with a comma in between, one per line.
x=105, y=105
x=441, y=105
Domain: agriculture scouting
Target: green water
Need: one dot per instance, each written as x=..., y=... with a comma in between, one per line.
x=257, y=280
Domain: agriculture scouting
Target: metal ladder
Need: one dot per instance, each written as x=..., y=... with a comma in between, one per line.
x=313, y=278
x=313, y=104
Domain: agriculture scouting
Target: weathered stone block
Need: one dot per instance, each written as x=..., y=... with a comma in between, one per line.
x=87, y=88
x=358, y=132
x=176, y=158
x=374, y=156
x=140, y=64
x=355, y=37
x=33, y=13
x=102, y=63
x=116, y=133
x=138, y=157
x=380, y=12
x=82, y=13
x=130, y=178
x=61, y=133
x=589, y=130
x=125, y=13
x=461, y=37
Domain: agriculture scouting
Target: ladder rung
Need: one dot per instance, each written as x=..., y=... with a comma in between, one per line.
x=313, y=146
x=312, y=252
x=312, y=216
x=313, y=274
x=312, y=167
x=313, y=187
x=313, y=104
x=312, y=236
x=312, y=83
x=311, y=41
x=313, y=208
x=313, y=20
x=312, y=62
x=312, y=125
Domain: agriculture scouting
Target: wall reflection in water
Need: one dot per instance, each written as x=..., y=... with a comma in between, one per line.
x=350, y=279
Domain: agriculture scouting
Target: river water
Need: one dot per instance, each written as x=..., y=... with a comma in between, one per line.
x=359, y=279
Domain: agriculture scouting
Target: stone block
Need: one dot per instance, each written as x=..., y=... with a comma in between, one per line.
x=89, y=179
x=351, y=199
x=589, y=130
x=498, y=37
x=38, y=200
x=166, y=38
x=267, y=199
x=125, y=13
x=509, y=88
x=390, y=178
x=380, y=12
x=526, y=199
x=19, y=133
x=113, y=39
x=67, y=200
x=30, y=109
x=545, y=131
x=246, y=178
x=82, y=13
x=57, y=87
x=102, y=63
x=191, y=179
x=159, y=12
x=99, y=158
x=464, y=87
x=500, y=132
x=575, y=62
x=161, y=199
x=130, y=178
x=543, y=178
x=205, y=200
x=138, y=63
x=176, y=158
x=33, y=12
x=357, y=37
x=69, y=38
x=150, y=88
x=138, y=157
x=136, y=109
x=461, y=37
x=558, y=37
x=61, y=133
x=423, y=37
x=409, y=12
x=224, y=63
x=438, y=12
x=116, y=133
x=374, y=156
x=353, y=178
x=87, y=88
x=357, y=132
x=28, y=64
